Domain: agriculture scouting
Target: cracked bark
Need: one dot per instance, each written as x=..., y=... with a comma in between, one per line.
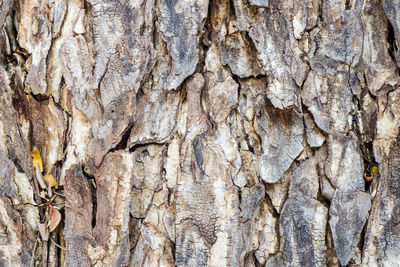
x=202, y=133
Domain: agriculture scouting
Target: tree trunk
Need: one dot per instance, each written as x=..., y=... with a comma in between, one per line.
x=200, y=133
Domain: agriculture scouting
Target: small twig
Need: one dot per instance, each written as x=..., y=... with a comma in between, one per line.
x=59, y=208
x=38, y=197
x=59, y=194
x=45, y=198
x=39, y=177
x=36, y=186
x=57, y=245
x=49, y=191
x=367, y=159
x=34, y=251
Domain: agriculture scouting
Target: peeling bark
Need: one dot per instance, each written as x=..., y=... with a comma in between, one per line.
x=200, y=133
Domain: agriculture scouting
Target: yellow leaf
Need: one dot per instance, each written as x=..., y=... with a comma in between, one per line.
x=35, y=155
x=374, y=169
x=50, y=180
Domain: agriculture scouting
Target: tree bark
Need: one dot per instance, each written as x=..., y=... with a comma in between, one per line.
x=200, y=133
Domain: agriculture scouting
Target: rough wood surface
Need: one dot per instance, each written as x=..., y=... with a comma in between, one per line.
x=201, y=133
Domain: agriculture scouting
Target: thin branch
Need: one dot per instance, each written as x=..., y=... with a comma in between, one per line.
x=32, y=264
x=57, y=245
x=39, y=177
x=59, y=194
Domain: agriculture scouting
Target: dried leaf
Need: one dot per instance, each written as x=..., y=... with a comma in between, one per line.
x=54, y=218
x=50, y=180
x=368, y=178
x=44, y=231
x=37, y=160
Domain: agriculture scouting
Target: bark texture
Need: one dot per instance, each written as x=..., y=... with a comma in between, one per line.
x=201, y=133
